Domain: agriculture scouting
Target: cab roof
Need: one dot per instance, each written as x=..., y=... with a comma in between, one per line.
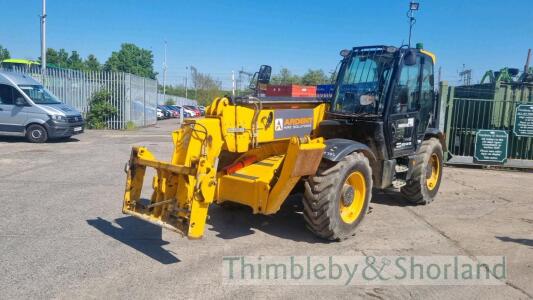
x=7, y=77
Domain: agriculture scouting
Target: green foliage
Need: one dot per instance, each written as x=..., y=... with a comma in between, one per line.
x=170, y=102
x=62, y=59
x=92, y=63
x=285, y=76
x=58, y=58
x=130, y=125
x=75, y=62
x=314, y=77
x=204, y=88
x=4, y=53
x=100, y=110
x=311, y=77
x=132, y=59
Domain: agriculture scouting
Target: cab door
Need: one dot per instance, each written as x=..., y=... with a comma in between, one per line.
x=12, y=117
x=404, y=110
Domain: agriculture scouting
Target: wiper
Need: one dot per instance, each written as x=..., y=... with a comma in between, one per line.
x=353, y=115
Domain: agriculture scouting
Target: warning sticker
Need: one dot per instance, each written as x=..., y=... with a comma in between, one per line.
x=292, y=122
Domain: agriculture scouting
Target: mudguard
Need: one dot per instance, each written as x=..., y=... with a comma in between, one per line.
x=337, y=149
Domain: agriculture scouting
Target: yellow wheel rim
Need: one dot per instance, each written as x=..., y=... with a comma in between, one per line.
x=352, y=197
x=433, y=172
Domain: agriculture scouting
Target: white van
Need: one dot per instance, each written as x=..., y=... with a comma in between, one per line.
x=28, y=109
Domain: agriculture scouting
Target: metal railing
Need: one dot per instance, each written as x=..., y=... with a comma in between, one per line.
x=177, y=100
x=469, y=109
x=134, y=97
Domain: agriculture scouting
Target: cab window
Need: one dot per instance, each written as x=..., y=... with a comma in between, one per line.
x=427, y=96
x=406, y=94
x=8, y=94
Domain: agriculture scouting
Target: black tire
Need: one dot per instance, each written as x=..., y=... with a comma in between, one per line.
x=325, y=191
x=36, y=133
x=417, y=190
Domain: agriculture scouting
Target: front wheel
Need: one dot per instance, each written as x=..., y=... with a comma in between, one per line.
x=427, y=173
x=336, y=199
x=36, y=133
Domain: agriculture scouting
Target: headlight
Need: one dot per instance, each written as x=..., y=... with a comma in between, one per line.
x=58, y=118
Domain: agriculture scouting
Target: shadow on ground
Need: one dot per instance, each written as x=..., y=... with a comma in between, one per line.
x=238, y=221
x=526, y=242
x=140, y=235
x=287, y=223
x=21, y=139
x=390, y=198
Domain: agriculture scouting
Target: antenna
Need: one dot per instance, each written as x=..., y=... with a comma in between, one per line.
x=413, y=6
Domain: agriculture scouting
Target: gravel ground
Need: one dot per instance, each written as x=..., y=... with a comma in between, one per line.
x=62, y=234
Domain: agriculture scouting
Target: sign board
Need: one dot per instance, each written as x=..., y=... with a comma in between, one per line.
x=292, y=122
x=491, y=146
x=523, y=122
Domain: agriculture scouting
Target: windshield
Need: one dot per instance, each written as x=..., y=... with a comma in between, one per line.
x=39, y=95
x=365, y=73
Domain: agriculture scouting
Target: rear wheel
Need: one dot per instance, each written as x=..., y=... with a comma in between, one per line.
x=336, y=199
x=427, y=173
x=36, y=133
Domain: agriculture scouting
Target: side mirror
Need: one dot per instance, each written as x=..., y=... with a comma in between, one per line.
x=367, y=99
x=410, y=58
x=20, y=101
x=253, y=81
x=264, y=74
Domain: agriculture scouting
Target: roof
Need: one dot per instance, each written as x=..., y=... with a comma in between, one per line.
x=20, y=61
x=17, y=78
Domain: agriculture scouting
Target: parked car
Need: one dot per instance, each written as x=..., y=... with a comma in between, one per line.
x=188, y=113
x=160, y=114
x=28, y=109
x=167, y=113
x=176, y=110
x=195, y=111
x=202, y=110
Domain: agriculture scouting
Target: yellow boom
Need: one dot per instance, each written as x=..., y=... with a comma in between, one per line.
x=252, y=153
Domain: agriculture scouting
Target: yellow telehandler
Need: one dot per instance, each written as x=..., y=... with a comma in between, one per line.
x=379, y=130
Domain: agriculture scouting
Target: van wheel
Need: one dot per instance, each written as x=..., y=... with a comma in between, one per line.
x=36, y=134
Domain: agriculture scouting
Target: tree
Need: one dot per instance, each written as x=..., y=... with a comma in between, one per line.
x=314, y=77
x=170, y=102
x=100, y=110
x=4, y=53
x=57, y=58
x=92, y=63
x=74, y=61
x=206, y=87
x=285, y=76
x=132, y=59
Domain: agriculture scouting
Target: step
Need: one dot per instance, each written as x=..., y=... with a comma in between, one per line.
x=401, y=168
x=398, y=183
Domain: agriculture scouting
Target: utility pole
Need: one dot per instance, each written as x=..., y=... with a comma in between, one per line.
x=165, y=74
x=528, y=61
x=233, y=83
x=466, y=75
x=186, y=80
x=43, y=39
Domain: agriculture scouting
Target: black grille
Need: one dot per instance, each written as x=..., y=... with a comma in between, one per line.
x=74, y=119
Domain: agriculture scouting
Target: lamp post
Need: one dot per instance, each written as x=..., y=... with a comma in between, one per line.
x=413, y=6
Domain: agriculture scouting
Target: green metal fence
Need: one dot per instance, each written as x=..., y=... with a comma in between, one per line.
x=491, y=106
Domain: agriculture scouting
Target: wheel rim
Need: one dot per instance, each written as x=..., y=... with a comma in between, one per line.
x=432, y=176
x=352, y=197
x=36, y=134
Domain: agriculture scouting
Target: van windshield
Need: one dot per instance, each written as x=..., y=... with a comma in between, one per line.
x=39, y=95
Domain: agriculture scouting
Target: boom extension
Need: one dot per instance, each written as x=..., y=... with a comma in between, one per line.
x=277, y=155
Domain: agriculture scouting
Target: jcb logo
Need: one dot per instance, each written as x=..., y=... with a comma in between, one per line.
x=278, y=125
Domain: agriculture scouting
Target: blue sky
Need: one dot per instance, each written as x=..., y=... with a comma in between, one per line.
x=220, y=36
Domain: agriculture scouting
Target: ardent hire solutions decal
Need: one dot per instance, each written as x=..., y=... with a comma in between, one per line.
x=292, y=122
